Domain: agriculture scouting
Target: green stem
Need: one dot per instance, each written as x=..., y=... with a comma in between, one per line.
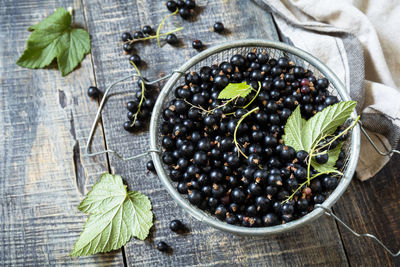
x=161, y=24
x=303, y=184
x=142, y=97
x=237, y=127
x=154, y=36
x=258, y=91
x=342, y=133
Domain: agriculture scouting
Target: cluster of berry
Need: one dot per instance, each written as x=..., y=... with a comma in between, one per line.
x=186, y=8
x=198, y=140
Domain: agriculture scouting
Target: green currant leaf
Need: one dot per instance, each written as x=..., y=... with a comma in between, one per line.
x=293, y=128
x=53, y=38
x=325, y=122
x=233, y=90
x=328, y=166
x=115, y=215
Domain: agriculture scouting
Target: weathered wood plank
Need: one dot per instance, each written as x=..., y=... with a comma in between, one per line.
x=372, y=207
x=316, y=244
x=44, y=120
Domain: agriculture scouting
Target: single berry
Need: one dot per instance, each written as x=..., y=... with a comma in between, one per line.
x=127, y=47
x=138, y=35
x=93, y=92
x=219, y=27
x=135, y=59
x=176, y=225
x=150, y=166
x=162, y=246
x=147, y=29
x=322, y=158
x=172, y=39
x=197, y=44
x=126, y=36
x=171, y=6
x=190, y=4
x=184, y=12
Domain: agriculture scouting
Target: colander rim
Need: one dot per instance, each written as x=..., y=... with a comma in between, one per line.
x=213, y=221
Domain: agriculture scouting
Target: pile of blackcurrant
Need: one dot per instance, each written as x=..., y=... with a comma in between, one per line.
x=249, y=188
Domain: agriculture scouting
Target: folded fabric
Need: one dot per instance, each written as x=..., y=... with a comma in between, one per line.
x=355, y=39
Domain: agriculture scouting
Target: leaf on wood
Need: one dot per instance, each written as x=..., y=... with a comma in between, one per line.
x=115, y=215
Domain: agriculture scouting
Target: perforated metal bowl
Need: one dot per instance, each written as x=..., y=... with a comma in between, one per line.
x=224, y=52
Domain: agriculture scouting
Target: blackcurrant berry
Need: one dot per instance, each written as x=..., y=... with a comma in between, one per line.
x=172, y=6
x=93, y=92
x=126, y=36
x=150, y=166
x=176, y=225
x=135, y=59
x=138, y=35
x=162, y=246
x=218, y=27
x=147, y=29
x=172, y=39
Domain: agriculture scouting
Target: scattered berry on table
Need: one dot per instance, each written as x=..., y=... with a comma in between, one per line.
x=176, y=225
x=171, y=6
x=147, y=29
x=197, y=44
x=93, y=92
x=135, y=59
x=162, y=246
x=150, y=166
x=126, y=36
x=184, y=12
x=127, y=47
x=218, y=27
x=172, y=39
x=138, y=35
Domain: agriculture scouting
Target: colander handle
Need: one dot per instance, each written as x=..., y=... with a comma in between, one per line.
x=387, y=153
x=98, y=115
x=331, y=214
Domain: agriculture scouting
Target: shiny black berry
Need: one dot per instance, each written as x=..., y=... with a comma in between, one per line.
x=150, y=166
x=172, y=39
x=197, y=44
x=93, y=92
x=218, y=27
x=162, y=246
x=176, y=225
x=126, y=36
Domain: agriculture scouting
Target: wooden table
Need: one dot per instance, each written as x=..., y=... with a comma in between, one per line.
x=45, y=121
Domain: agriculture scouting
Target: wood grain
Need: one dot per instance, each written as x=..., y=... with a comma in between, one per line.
x=44, y=122
x=316, y=244
x=372, y=207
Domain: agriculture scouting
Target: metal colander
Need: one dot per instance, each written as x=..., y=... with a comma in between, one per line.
x=222, y=53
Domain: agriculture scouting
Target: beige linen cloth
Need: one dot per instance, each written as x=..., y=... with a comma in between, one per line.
x=360, y=41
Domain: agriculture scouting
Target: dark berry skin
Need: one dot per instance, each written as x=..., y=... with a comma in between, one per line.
x=184, y=12
x=197, y=44
x=135, y=59
x=171, y=5
x=176, y=225
x=126, y=36
x=150, y=166
x=172, y=39
x=270, y=219
x=127, y=47
x=238, y=196
x=162, y=246
x=93, y=92
x=322, y=158
x=330, y=182
x=147, y=29
x=218, y=27
x=190, y=4
x=195, y=197
x=138, y=35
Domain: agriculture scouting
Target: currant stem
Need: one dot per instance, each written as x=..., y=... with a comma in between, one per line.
x=251, y=101
x=161, y=24
x=303, y=184
x=237, y=127
x=154, y=36
x=142, y=96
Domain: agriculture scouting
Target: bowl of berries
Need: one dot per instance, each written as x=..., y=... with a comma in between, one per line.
x=254, y=137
